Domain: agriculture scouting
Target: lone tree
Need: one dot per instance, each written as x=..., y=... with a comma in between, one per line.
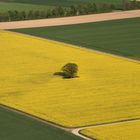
x=70, y=70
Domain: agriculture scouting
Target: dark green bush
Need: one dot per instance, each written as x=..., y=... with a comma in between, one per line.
x=68, y=71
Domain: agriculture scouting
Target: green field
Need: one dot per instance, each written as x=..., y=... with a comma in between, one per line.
x=121, y=37
x=62, y=2
x=18, y=127
x=26, y=5
x=35, y=6
x=4, y=7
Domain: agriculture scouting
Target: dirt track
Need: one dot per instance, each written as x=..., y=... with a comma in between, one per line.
x=70, y=20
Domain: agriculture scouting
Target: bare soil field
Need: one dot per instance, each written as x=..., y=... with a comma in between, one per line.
x=70, y=20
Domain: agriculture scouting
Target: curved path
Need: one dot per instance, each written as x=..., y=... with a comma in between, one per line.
x=70, y=20
x=77, y=131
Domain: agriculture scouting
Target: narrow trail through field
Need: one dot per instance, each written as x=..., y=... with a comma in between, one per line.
x=75, y=131
x=70, y=20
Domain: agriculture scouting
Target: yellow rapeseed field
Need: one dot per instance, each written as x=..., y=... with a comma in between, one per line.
x=122, y=131
x=108, y=88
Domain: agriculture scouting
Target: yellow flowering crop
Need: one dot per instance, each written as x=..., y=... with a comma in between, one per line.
x=108, y=88
x=122, y=131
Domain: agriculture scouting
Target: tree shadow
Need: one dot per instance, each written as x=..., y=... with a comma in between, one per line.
x=64, y=75
x=59, y=74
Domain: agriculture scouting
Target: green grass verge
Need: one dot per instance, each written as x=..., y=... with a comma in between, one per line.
x=121, y=37
x=4, y=7
x=63, y=2
x=18, y=127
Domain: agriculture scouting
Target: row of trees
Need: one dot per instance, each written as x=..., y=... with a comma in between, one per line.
x=87, y=8
x=130, y=5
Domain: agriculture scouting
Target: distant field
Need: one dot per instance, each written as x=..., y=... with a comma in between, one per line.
x=17, y=127
x=26, y=5
x=63, y=2
x=107, y=88
x=121, y=37
x=4, y=7
x=121, y=131
x=36, y=6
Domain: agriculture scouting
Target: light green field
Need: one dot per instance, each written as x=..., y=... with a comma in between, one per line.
x=4, y=7
x=63, y=2
x=26, y=5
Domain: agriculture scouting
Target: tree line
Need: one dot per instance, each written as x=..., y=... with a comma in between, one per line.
x=74, y=10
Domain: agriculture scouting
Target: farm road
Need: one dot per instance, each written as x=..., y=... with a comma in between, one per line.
x=70, y=20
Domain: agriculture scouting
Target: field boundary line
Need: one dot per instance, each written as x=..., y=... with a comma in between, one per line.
x=79, y=47
x=107, y=123
x=70, y=20
x=20, y=112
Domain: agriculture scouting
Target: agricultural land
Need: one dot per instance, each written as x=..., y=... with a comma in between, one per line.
x=120, y=131
x=61, y=2
x=29, y=84
x=4, y=7
x=16, y=126
x=37, y=99
x=16, y=10
x=119, y=37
